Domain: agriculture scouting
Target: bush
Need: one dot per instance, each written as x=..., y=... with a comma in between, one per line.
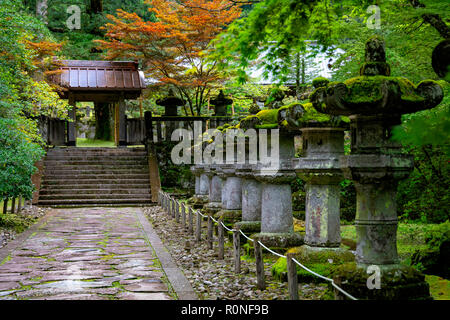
x=172, y=175
x=17, y=157
x=435, y=259
x=16, y=222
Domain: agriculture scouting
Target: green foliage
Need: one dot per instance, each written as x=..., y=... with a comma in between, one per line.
x=348, y=201
x=78, y=43
x=172, y=175
x=18, y=223
x=23, y=95
x=426, y=135
x=435, y=257
x=437, y=234
x=17, y=157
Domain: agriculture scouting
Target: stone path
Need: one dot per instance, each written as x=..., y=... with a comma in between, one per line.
x=84, y=253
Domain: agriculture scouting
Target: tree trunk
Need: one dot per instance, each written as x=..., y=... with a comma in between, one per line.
x=96, y=6
x=102, y=122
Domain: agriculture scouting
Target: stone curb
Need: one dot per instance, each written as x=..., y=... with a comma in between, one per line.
x=178, y=280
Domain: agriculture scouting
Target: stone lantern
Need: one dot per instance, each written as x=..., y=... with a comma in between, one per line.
x=201, y=186
x=277, y=227
x=215, y=184
x=251, y=194
x=231, y=191
x=170, y=104
x=374, y=103
x=220, y=104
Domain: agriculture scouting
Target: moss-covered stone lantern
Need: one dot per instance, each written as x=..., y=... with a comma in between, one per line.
x=374, y=102
x=170, y=103
x=277, y=227
x=220, y=104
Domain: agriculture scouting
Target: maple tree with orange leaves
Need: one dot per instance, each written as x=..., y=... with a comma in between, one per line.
x=173, y=48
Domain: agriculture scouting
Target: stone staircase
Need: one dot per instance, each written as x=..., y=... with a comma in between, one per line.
x=95, y=177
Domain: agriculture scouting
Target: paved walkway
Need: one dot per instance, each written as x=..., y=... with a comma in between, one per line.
x=89, y=253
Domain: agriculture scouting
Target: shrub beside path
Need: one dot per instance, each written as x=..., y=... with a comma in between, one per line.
x=93, y=254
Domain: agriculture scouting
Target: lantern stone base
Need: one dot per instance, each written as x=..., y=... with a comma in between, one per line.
x=229, y=216
x=397, y=282
x=198, y=201
x=279, y=240
x=249, y=227
x=320, y=260
x=212, y=207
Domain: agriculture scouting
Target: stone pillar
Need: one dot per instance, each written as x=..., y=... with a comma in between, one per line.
x=201, y=187
x=71, y=131
x=323, y=145
x=215, y=191
x=251, y=196
x=277, y=227
x=204, y=184
x=197, y=184
x=231, y=195
x=320, y=169
x=376, y=175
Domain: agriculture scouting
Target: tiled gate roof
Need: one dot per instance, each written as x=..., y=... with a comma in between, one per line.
x=99, y=76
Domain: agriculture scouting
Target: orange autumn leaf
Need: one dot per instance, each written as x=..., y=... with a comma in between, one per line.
x=172, y=47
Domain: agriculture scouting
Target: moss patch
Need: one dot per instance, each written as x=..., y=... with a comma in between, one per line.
x=439, y=287
x=320, y=260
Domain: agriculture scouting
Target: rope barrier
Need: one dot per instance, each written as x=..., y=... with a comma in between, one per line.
x=246, y=236
x=268, y=249
x=271, y=251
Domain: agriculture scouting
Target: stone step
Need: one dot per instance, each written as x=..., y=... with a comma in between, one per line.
x=61, y=166
x=144, y=189
x=95, y=202
x=96, y=186
x=99, y=205
x=81, y=171
x=74, y=181
x=95, y=158
x=87, y=196
x=118, y=162
x=97, y=176
x=96, y=150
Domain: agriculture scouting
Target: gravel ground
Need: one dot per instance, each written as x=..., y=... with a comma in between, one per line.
x=7, y=234
x=215, y=279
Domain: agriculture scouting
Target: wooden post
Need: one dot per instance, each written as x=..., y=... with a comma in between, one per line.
x=153, y=165
x=210, y=232
x=183, y=215
x=237, y=249
x=169, y=206
x=198, y=231
x=172, y=213
x=13, y=204
x=177, y=211
x=191, y=221
x=122, y=122
x=221, y=239
x=292, y=277
x=116, y=123
x=71, y=126
x=260, y=276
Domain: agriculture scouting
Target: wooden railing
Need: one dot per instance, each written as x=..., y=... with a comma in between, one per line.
x=160, y=128
x=138, y=131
